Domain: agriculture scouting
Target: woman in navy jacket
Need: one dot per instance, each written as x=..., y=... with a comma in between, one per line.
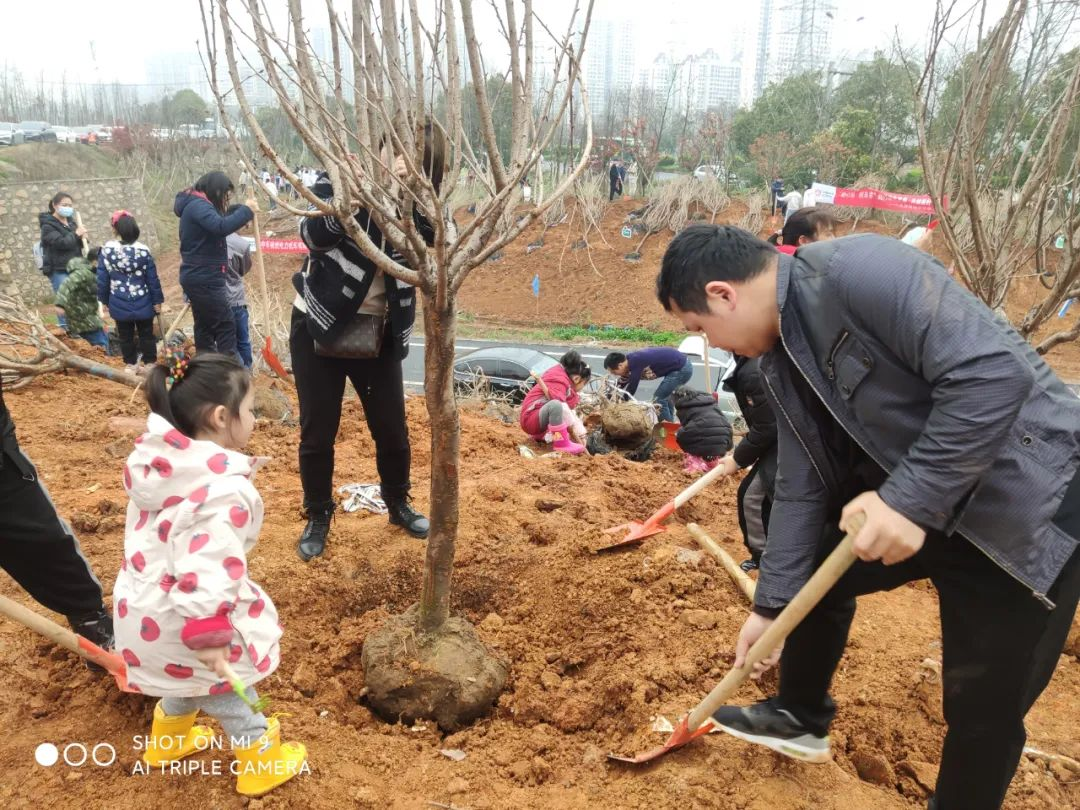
x=204, y=257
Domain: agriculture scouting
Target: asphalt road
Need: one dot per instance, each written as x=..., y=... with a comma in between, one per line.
x=414, y=363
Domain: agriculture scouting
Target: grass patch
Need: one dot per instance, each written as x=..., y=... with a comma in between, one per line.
x=616, y=334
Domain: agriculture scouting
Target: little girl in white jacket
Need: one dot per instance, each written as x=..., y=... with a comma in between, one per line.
x=185, y=607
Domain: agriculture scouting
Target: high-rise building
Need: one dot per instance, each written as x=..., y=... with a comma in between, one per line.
x=715, y=83
x=609, y=61
x=169, y=73
x=793, y=37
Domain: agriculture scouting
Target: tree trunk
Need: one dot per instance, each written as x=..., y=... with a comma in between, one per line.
x=440, y=328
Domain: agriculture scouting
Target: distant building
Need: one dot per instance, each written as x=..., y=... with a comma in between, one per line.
x=609, y=61
x=169, y=73
x=792, y=37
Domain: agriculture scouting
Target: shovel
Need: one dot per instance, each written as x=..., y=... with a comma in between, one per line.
x=68, y=639
x=697, y=722
x=636, y=532
x=268, y=354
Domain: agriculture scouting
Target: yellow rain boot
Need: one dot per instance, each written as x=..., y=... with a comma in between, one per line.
x=173, y=737
x=268, y=762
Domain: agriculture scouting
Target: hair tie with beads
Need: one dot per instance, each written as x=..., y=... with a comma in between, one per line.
x=176, y=361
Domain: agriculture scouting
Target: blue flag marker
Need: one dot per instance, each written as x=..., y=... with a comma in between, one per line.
x=536, y=285
x=1065, y=307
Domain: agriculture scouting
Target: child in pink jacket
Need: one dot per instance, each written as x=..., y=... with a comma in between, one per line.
x=185, y=607
x=547, y=413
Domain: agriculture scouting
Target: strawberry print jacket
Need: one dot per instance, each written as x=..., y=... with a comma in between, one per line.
x=193, y=516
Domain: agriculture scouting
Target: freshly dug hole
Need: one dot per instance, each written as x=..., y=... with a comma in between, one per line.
x=450, y=676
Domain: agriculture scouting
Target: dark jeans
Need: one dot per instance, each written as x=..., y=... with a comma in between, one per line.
x=320, y=385
x=57, y=278
x=215, y=329
x=147, y=346
x=37, y=547
x=96, y=338
x=668, y=384
x=243, y=335
x=999, y=645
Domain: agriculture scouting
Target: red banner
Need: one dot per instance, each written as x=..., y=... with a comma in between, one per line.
x=282, y=246
x=875, y=198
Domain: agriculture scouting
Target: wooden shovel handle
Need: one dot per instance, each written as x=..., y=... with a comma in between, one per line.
x=700, y=484
x=744, y=583
x=839, y=561
x=60, y=635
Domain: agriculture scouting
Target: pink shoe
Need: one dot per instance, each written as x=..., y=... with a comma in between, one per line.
x=697, y=464
x=561, y=441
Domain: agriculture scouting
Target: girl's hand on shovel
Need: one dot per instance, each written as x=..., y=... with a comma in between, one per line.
x=215, y=659
x=752, y=630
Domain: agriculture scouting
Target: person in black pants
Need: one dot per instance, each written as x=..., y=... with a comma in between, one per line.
x=902, y=399
x=615, y=180
x=757, y=450
x=332, y=291
x=204, y=224
x=38, y=549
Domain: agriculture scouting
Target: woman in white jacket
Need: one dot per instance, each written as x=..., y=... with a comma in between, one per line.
x=185, y=608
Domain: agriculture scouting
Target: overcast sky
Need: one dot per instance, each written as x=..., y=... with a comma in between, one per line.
x=109, y=40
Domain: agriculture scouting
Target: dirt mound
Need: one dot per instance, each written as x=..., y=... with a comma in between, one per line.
x=597, y=644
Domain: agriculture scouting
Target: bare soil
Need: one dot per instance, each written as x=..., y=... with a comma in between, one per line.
x=597, y=644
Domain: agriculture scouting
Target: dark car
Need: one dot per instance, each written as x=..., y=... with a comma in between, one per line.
x=37, y=131
x=501, y=370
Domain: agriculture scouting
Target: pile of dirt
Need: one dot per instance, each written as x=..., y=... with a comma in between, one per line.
x=597, y=644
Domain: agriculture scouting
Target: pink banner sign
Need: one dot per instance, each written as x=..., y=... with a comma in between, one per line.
x=282, y=246
x=875, y=198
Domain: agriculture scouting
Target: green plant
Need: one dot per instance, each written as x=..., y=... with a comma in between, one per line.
x=624, y=334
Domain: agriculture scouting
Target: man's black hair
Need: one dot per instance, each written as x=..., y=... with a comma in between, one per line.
x=704, y=253
x=614, y=360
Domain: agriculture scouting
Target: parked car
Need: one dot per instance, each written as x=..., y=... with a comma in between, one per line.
x=708, y=170
x=502, y=370
x=37, y=131
x=721, y=365
x=161, y=134
x=10, y=134
x=104, y=134
x=65, y=134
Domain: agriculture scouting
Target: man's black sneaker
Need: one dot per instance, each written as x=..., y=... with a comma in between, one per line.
x=748, y=565
x=767, y=724
x=402, y=514
x=96, y=626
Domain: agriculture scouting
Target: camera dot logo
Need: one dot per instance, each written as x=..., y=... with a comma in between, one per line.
x=46, y=755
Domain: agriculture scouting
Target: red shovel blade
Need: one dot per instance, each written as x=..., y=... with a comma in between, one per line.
x=679, y=737
x=273, y=361
x=635, y=533
x=112, y=662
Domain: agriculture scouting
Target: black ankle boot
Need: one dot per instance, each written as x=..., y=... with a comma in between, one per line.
x=97, y=627
x=313, y=540
x=402, y=514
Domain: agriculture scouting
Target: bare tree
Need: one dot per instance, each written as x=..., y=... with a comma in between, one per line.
x=391, y=70
x=995, y=134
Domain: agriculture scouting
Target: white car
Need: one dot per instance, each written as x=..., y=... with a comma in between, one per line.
x=707, y=170
x=721, y=365
x=65, y=134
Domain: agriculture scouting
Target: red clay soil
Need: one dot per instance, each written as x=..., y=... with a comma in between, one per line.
x=598, y=644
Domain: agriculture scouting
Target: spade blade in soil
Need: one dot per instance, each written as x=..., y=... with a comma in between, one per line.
x=679, y=737
x=635, y=533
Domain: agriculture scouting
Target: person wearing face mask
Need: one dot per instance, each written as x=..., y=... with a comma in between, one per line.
x=204, y=257
x=61, y=240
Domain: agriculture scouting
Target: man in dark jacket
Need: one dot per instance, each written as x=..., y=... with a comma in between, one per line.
x=38, y=549
x=756, y=450
x=615, y=180
x=900, y=396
